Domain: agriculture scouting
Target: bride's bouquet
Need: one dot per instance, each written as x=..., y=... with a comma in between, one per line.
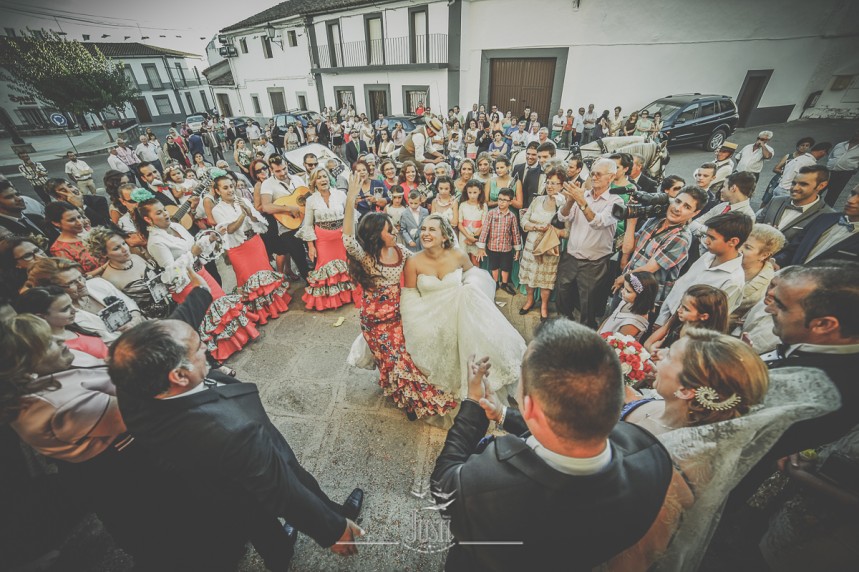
x=634, y=359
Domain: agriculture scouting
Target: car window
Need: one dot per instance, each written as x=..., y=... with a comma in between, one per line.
x=691, y=112
x=708, y=109
x=666, y=108
x=726, y=106
x=194, y=118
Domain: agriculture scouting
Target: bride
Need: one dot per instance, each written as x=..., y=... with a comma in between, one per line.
x=449, y=313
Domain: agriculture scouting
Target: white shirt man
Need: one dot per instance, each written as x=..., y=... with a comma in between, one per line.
x=579, y=123
x=520, y=137
x=116, y=163
x=751, y=158
x=147, y=151
x=558, y=122
x=278, y=188
x=253, y=133
x=727, y=276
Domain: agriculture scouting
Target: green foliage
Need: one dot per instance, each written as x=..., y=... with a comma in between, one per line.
x=65, y=74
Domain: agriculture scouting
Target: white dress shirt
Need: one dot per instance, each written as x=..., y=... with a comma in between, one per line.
x=595, y=239
x=751, y=159
x=79, y=170
x=571, y=465
x=147, y=152
x=728, y=277
x=116, y=163
x=830, y=238
x=789, y=215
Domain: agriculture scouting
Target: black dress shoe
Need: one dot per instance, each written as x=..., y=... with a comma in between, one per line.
x=508, y=288
x=523, y=311
x=353, y=504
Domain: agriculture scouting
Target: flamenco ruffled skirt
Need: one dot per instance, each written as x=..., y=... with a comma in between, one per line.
x=263, y=289
x=399, y=377
x=329, y=284
x=228, y=325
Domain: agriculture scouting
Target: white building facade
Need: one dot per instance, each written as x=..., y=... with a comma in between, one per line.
x=779, y=59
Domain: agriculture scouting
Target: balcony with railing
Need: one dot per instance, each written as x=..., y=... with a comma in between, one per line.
x=429, y=49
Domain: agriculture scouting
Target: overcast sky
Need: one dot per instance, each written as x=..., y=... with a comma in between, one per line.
x=191, y=19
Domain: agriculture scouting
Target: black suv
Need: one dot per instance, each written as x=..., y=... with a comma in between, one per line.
x=695, y=118
x=281, y=120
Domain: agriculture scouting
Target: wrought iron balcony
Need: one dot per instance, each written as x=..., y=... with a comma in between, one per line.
x=424, y=49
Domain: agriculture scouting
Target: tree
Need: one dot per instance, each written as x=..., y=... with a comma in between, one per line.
x=65, y=74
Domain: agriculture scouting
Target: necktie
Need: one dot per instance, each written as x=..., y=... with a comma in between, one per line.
x=845, y=222
x=727, y=209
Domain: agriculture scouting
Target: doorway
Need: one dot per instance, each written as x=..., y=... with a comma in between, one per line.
x=278, y=102
x=751, y=93
x=517, y=83
x=224, y=104
x=141, y=110
x=377, y=102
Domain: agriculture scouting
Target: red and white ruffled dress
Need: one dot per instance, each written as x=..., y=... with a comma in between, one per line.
x=329, y=284
x=228, y=324
x=263, y=289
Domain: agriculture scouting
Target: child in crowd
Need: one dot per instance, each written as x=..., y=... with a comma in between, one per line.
x=702, y=306
x=411, y=221
x=444, y=204
x=500, y=240
x=631, y=317
x=396, y=209
x=472, y=213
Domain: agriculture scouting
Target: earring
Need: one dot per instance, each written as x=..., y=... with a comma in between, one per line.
x=678, y=394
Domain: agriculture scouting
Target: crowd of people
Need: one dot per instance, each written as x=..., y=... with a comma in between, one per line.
x=113, y=365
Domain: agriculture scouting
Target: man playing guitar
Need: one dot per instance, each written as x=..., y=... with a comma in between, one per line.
x=282, y=184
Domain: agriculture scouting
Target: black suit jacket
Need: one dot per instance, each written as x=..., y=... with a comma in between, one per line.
x=508, y=493
x=222, y=439
x=530, y=181
x=39, y=226
x=776, y=208
x=646, y=184
x=352, y=153
x=798, y=249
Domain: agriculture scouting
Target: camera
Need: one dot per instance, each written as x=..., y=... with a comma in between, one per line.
x=641, y=205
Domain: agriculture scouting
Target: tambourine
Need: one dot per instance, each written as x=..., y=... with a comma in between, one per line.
x=211, y=245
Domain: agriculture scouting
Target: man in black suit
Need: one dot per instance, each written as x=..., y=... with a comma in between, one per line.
x=354, y=148
x=579, y=489
x=639, y=177
x=831, y=236
x=12, y=216
x=220, y=437
x=792, y=214
x=529, y=173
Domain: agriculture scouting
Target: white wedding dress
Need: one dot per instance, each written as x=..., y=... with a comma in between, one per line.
x=449, y=319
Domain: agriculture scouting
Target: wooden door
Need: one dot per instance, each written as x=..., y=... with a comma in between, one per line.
x=278, y=103
x=527, y=80
x=142, y=110
x=378, y=103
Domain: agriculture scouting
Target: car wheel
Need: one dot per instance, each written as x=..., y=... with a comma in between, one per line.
x=715, y=140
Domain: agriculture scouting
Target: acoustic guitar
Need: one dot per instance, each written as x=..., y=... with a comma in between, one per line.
x=181, y=213
x=297, y=199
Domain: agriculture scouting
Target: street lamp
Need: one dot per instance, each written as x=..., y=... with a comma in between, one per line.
x=270, y=32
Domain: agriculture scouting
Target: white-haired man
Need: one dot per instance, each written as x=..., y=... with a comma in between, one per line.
x=751, y=157
x=584, y=265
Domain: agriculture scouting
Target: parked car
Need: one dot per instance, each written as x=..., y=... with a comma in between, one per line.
x=696, y=118
x=195, y=122
x=409, y=122
x=295, y=160
x=281, y=120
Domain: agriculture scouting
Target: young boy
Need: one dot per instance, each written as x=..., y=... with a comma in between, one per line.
x=411, y=221
x=721, y=266
x=501, y=240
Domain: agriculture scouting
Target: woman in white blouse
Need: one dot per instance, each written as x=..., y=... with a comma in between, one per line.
x=329, y=285
x=241, y=227
x=227, y=326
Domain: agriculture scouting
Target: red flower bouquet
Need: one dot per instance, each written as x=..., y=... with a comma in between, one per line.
x=634, y=359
